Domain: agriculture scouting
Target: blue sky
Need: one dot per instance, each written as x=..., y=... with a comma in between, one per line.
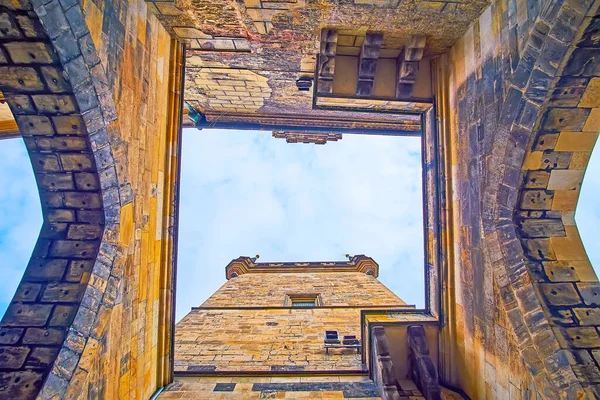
x=245, y=193
x=20, y=216
x=587, y=215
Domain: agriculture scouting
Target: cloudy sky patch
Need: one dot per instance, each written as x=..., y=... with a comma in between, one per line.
x=246, y=193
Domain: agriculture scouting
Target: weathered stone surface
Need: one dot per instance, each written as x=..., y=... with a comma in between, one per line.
x=536, y=200
x=44, y=336
x=19, y=385
x=587, y=316
x=537, y=179
x=13, y=357
x=539, y=249
x=583, y=337
x=27, y=315
x=590, y=292
x=560, y=294
x=10, y=335
x=41, y=357
x=542, y=228
x=560, y=271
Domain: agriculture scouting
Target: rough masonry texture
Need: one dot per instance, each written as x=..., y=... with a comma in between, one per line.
x=250, y=336
x=504, y=93
x=58, y=278
x=76, y=313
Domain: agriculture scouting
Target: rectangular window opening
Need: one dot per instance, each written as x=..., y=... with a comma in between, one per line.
x=298, y=303
x=303, y=300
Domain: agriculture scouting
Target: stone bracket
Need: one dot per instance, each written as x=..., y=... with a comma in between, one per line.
x=307, y=137
x=327, y=60
x=408, y=62
x=422, y=368
x=367, y=65
x=384, y=373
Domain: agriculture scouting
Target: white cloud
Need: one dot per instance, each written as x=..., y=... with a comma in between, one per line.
x=245, y=193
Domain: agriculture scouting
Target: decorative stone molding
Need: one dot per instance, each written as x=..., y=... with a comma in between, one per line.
x=382, y=365
x=247, y=265
x=422, y=368
x=307, y=137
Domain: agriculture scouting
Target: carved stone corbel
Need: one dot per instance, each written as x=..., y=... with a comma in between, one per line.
x=384, y=374
x=367, y=65
x=409, y=65
x=422, y=368
x=327, y=60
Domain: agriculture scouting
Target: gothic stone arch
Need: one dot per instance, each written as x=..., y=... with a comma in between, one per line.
x=53, y=81
x=548, y=127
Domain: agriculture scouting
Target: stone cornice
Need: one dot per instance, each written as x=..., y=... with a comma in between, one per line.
x=247, y=265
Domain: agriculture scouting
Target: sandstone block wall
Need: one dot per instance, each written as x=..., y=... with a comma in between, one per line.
x=354, y=289
x=264, y=340
x=290, y=387
x=247, y=325
x=141, y=63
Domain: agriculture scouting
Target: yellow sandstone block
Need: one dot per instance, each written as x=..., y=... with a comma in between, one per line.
x=579, y=160
x=565, y=200
x=126, y=224
x=569, y=247
x=576, y=141
x=94, y=19
x=591, y=96
x=593, y=121
x=533, y=160
x=141, y=29
x=584, y=270
x=89, y=354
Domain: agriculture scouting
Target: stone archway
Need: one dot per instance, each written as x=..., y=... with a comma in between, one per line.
x=507, y=84
x=108, y=187
x=549, y=123
x=51, y=120
x=53, y=80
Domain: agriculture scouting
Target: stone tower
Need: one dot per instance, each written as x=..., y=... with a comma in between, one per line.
x=264, y=331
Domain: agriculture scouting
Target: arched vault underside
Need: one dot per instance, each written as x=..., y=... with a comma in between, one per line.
x=552, y=120
x=523, y=119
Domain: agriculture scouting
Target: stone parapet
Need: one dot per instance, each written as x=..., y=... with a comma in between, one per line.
x=248, y=265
